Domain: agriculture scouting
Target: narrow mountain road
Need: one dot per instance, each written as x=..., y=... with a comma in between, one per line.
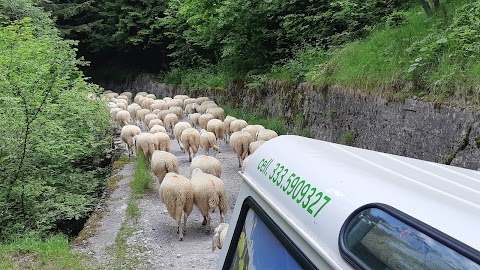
x=151, y=241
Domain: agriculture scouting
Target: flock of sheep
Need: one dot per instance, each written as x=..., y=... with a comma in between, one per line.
x=148, y=124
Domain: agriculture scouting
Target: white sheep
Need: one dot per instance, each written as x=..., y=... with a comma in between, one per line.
x=146, y=102
x=190, y=139
x=158, y=128
x=209, y=193
x=162, y=114
x=200, y=100
x=127, y=134
x=175, y=102
x=220, y=233
x=141, y=94
x=237, y=125
x=205, y=106
x=203, y=120
x=163, y=141
x=154, y=122
x=217, y=112
x=182, y=97
x=178, y=129
x=228, y=120
x=252, y=129
x=113, y=113
x=127, y=94
x=207, y=141
x=254, y=146
x=177, y=110
x=145, y=142
x=265, y=134
x=152, y=96
x=176, y=192
x=123, y=118
x=217, y=127
x=207, y=164
x=158, y=104
x=147, y=118
x=170, y=121
x=162, y=163
x=190, y=108
x=240, y=142
x=141, y=114
x=193, y=119
x=133, y=109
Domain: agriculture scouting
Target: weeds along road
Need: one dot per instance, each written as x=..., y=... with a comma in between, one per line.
x=150, y=241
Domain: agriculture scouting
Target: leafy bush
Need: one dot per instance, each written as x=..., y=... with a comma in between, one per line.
x=54, y=137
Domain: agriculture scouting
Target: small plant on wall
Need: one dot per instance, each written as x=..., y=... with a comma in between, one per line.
x=348, y=138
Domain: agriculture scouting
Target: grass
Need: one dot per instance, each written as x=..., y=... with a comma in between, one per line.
x=31, y=252
x=123, y=261
x=133, y=211
x=141, y=178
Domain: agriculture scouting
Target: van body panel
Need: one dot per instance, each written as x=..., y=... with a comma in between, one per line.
x=312, y=186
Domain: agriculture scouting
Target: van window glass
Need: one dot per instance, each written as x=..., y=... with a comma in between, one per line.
x=258, y=248
x=381, y=241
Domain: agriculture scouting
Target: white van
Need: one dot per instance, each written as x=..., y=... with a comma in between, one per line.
x=310, y=204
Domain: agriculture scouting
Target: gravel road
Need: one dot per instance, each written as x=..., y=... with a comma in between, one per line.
x=153, y=242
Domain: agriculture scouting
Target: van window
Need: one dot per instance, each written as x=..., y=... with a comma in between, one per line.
x=375, y=239
x=258, y=243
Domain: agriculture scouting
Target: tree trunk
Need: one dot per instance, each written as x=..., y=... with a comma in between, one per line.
x=426, y=7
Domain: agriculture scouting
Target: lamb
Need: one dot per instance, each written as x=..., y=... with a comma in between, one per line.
x=170, y=121
x=178, y=129
x=216, y=126
x=265, y=134
x=237, y=125
x=190, y=139
x=193, y=118
x=176, y=192
x=254, y=146
x=145, y=142
x=240, y=142
x=158, y=128
x=207, y=164
x=163, y=141
x=207, y=141
x=217, y=112
x=203, y=120
x=209, y=193
x=219, y=235
x=123, y=118
x=162, y=163
x=127, y=134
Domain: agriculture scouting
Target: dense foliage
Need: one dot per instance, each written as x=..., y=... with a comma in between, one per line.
x=55, y=137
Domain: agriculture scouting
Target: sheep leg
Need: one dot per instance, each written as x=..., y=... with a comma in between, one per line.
x=209, y=228
x=239, y=162
x=179, y=144
x=178, y=218
x=185, y=216
x=204, y=222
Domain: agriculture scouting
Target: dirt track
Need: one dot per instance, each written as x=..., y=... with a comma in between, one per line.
x=152, y=241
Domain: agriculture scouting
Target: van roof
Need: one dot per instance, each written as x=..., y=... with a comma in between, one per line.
x=444, y=197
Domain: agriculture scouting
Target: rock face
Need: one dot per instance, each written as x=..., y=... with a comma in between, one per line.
x=408, y=127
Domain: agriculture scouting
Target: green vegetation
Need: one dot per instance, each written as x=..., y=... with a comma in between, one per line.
x=269, y=122
x=31, y=252
x=55, y=143
x=347, y=138
x=141, y=178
